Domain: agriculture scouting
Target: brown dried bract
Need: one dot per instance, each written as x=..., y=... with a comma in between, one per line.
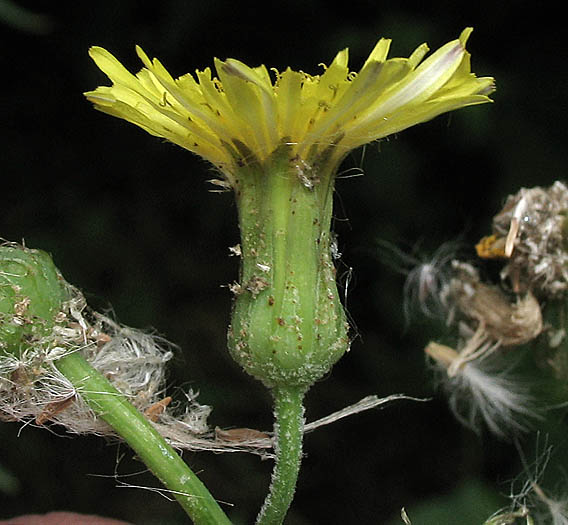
x=52, y=409
x=154, y=411
x=509, y=321
x=239, y=435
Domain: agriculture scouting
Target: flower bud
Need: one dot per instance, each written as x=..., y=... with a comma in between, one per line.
x=31, y=294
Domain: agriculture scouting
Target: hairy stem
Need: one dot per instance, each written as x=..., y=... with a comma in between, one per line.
x=288, y=427
x=109, y=404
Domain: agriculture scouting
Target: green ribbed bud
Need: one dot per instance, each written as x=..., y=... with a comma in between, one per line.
x=288, y=325
x=31, y=293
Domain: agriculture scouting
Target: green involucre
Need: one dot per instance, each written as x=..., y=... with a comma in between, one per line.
x=31, y=293
x=288, y=326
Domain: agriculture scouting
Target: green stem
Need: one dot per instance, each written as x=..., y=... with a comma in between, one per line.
x=145, y=440
x=289, y=429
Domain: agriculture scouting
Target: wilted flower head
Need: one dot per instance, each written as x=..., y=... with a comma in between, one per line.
x=478, y=379
x=530, y=231
x=244, y=115
x=508, y=321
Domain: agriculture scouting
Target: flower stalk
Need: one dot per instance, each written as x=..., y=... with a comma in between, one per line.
x=162, y=460
x=289, y=429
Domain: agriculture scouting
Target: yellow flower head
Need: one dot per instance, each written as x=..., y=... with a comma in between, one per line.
x=244, y=115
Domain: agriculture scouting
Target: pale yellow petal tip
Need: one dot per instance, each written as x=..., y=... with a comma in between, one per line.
x=143, y=56
x=238, y=69
x=235, y=67
x=103, y=58
x=465, y=35
x=96, y=51
x=489, y=87
x=342, y=58
x=98, y=99
x=418, y=54
x=380, y=51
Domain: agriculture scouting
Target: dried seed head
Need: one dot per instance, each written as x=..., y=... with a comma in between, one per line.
x=534, y=225
x=508, y=321
x=529, y=234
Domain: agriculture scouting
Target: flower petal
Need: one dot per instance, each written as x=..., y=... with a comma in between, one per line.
x=244, y=113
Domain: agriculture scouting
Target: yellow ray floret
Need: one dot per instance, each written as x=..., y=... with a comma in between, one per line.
x=243, y=112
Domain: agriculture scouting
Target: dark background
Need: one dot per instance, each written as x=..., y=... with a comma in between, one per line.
x=129, y=220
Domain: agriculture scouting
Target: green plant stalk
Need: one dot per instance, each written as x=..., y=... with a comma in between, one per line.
x=109, y=404
x=289, y=430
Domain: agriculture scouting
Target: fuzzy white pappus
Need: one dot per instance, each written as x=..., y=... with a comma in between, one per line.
x=426, y=278
x=479, y=391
